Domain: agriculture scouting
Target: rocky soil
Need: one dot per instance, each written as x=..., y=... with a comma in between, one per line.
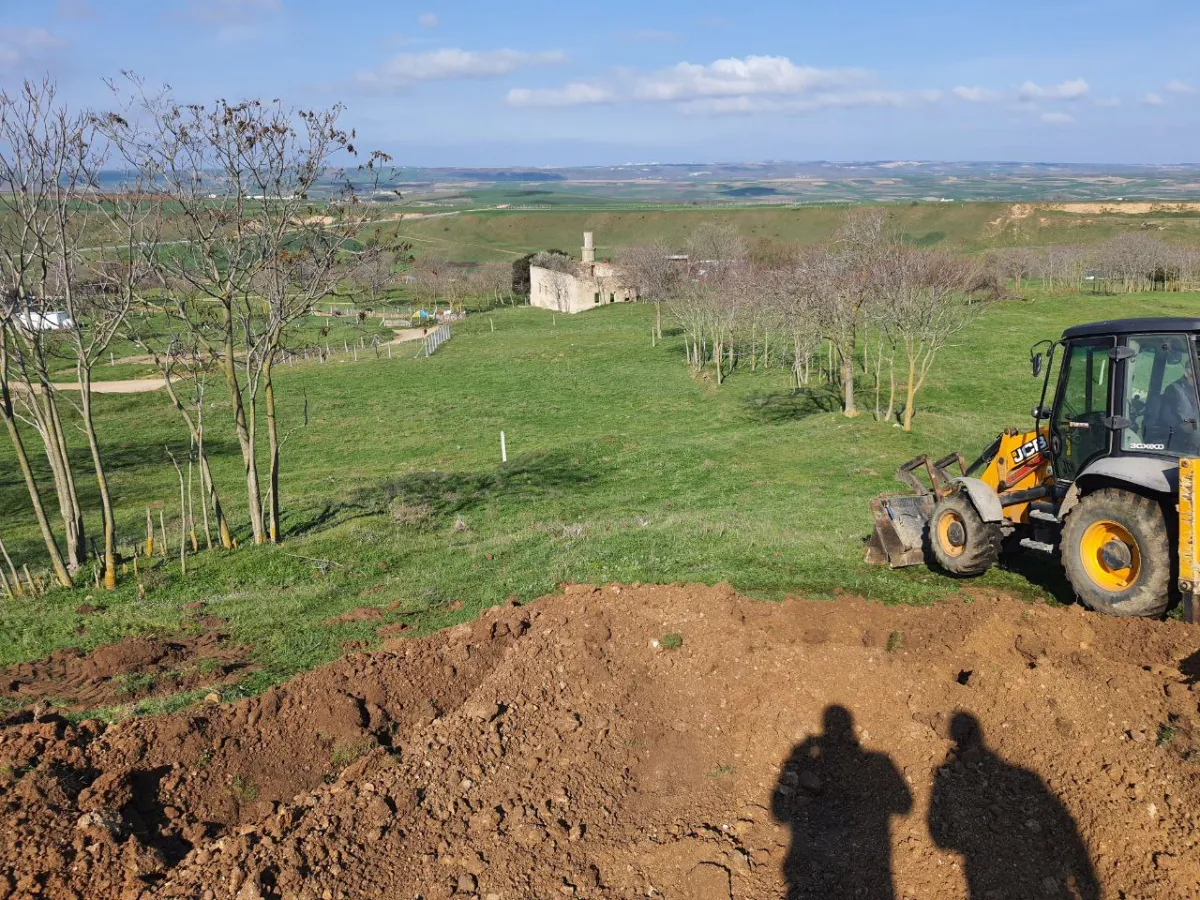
x=668, y=741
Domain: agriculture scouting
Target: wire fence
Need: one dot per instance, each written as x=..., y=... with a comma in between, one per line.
x=432, y=341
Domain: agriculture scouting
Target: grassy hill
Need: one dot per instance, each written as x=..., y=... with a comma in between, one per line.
x=970, y=227
x=621, y=467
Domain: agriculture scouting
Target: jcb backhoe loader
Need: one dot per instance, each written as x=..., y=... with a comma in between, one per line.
x=1105, y=479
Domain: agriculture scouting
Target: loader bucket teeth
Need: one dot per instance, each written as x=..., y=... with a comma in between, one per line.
x=900, y=526
x=901, y=522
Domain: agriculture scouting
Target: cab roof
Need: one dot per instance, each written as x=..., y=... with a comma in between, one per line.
x=1152, y=325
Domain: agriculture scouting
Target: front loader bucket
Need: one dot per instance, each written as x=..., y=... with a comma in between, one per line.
x=901, y=522
x=899, y=537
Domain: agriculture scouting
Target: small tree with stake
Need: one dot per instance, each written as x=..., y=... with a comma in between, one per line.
x=237, y=179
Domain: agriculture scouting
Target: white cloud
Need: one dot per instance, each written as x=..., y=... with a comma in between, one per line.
x=1175, y=86
x=22, y=45
x=405, y=69
x=1153, y=99
x=725, y=106
x=976, y=94
x=771, y=75
x=753, y=85
x=428, y=20
x=1067, y=90
x=1109, y=102
x=574, y=94
x=1058, y=118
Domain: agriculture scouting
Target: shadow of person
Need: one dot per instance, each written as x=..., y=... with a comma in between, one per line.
x=1016, y=838
x=838, y=800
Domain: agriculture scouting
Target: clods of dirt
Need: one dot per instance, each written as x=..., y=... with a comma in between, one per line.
x=123, y=672
x=358, y=614
x=799, y=749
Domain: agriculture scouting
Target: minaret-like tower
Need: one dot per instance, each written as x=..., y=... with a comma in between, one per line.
x=589, y=248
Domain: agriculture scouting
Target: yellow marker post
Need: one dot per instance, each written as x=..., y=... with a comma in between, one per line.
x=1189, y=574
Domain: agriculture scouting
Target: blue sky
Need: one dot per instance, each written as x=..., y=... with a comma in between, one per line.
x=554, y=83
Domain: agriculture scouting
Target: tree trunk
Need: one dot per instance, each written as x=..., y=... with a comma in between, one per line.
x=245, y=432
x=910, y=392
x=196, y=428
x=846, y=374
x=106, y=509
x=35, y=497
x=273, y=444
x=49, y=427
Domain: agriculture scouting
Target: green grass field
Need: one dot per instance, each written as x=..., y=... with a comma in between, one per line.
x=971, y=227
x=622, y=467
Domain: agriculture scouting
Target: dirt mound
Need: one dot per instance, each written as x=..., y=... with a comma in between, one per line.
x=120, y=673
x=641, y=742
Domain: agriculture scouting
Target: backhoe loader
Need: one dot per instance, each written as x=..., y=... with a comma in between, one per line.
x=1105, y=479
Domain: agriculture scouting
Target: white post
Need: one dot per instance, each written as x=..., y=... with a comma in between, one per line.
x=503, y=449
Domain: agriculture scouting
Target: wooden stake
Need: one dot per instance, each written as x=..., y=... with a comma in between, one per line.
x=16, y=580
x=29, y=578
x=204, y=492
x=162, y=530
x=192, y=511
x=183, y=517
x=8, y=591
x=149, y=533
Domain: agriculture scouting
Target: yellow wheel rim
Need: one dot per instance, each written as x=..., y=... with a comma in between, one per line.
x=1111, y=556
x=946, y=521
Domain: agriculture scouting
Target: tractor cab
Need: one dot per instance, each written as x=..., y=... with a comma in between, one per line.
x=1106, y=480
x=1126, y=392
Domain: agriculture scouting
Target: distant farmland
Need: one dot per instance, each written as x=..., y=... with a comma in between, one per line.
x=506, y=233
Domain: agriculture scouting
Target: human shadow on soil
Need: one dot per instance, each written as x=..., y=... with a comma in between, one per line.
x=1190, y=668
x=431, y=496
x=777, y=409
x=838, y=800
x=1016, y=837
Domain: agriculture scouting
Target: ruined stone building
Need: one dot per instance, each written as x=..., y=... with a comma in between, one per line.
x=590, y=285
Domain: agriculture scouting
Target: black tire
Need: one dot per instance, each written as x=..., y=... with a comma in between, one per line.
x=961, y=542
x=1137, y=581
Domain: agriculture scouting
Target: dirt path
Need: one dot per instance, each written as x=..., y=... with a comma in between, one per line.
x=127, y=386
x=644, y=742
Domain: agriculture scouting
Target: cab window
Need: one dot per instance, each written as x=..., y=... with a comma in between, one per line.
x=1079, y=422
x=1160, y=396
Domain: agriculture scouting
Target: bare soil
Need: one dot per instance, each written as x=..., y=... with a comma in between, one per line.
x=989, y=748
x=116, y=674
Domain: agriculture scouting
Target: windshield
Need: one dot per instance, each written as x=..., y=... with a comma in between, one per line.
x=1160, y=396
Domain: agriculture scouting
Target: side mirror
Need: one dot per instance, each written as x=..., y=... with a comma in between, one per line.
x=1036, y=360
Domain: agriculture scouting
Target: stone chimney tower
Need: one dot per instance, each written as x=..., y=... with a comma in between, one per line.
x=589, y=248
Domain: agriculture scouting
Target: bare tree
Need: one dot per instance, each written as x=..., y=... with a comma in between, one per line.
x=924, y=301
x=654, y=272
x=238, y=178
x=372, y=270
x=849, y=280
x=795, y=297
x=494, y=280
x=45, y=159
